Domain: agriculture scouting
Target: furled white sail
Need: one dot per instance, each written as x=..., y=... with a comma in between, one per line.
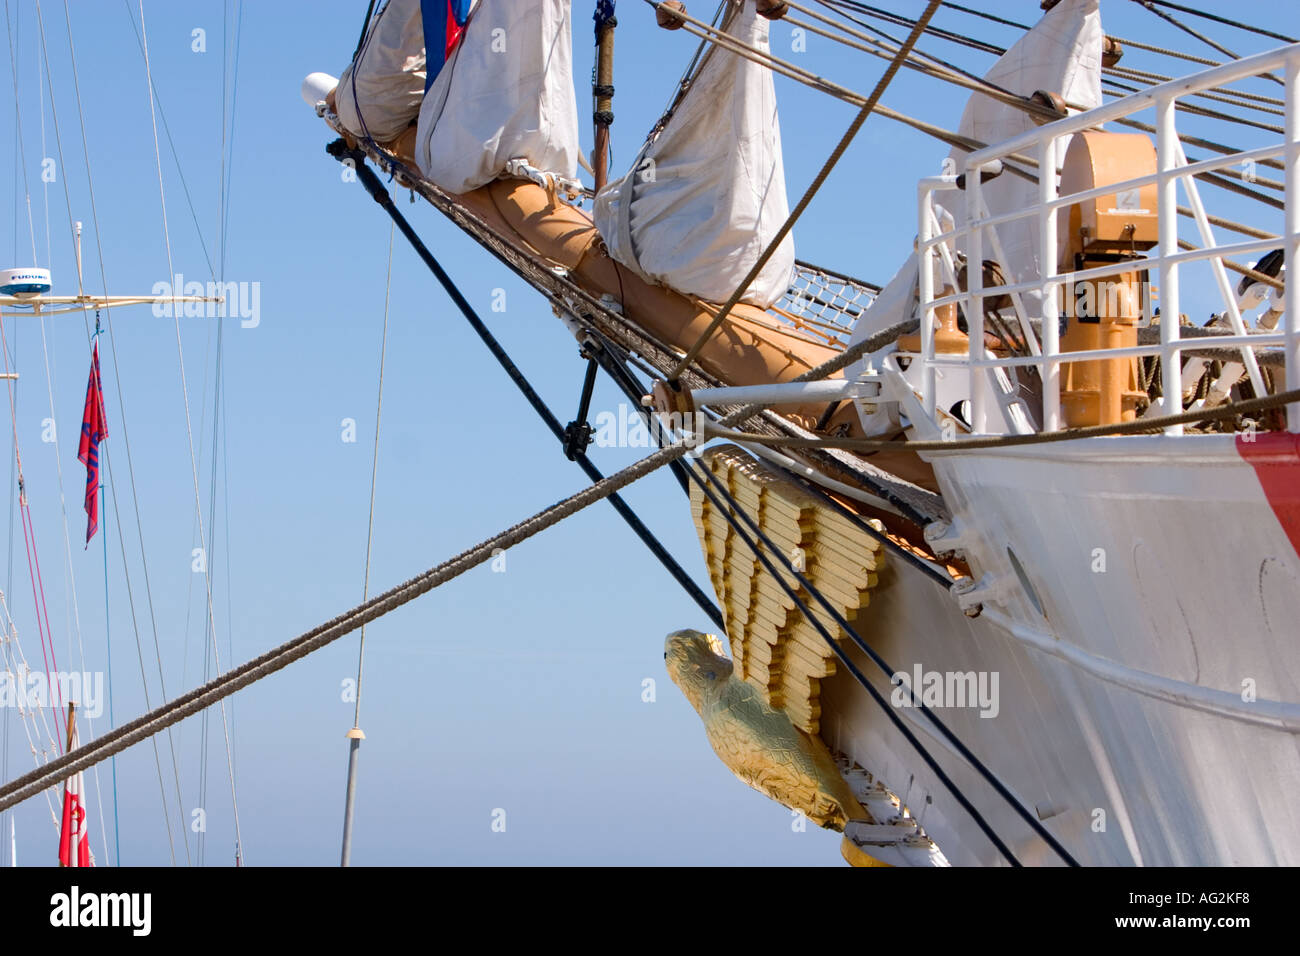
x=506, y=92
x=707, y=194
x=382, y=91
x=1061, y=54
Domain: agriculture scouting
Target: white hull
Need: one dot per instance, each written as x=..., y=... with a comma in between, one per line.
x=1125, y=695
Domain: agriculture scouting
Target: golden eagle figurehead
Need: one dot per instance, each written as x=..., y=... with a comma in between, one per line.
x=697, y=665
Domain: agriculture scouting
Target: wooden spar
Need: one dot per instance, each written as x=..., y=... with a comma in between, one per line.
x=603, y=89
x=747, y=351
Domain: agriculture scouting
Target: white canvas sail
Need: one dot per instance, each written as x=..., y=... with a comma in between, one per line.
x=1061, y=54
x=707, y=195
x=382, y=91
x=506, y=91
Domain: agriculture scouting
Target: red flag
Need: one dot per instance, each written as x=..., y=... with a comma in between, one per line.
x=74, y=835
x=94, y=429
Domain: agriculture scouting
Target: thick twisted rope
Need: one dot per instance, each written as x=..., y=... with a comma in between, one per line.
x=1137, y=426
x=159, y=719
x=280, y=657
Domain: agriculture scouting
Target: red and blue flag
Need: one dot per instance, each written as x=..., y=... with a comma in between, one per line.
x=444, y=22
x=94, y=429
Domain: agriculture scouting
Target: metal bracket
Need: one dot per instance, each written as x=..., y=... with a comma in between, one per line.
x=947, y=538
x=972, y=595
x=577, y=434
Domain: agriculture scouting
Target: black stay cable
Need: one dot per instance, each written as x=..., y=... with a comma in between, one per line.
x=1148, y=5
x=1034, y=823
x=365, y=28
x=377, y=191
x=985, y=16
x=633, y=390
x=900, y=20
x=1204, y=14
x=730, y=515
x=381, y=195
x=614, y=366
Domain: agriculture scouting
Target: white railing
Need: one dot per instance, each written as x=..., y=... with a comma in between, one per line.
x=1045, y=143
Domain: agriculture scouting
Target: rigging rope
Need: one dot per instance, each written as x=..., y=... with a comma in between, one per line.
x=631, y=388
x=1224, y=20
x=43, y=629
x=71, y=601
x=126, y=439
x=176, y=158
x=985, y=16
x=377, y=191
x=1148, y=5
x=207, y=576
x=19, y=669
x=232, y=680
x=902, y=21
x=1138, y=426
x=108, y=645
x=229, y=91
x=966, y=143
x=71, y=575
x=163, y=717
x=374, y=471
x=1001, y=789
x=812, y=190
x=356, y=736
x=730, y=514
x=983, y=85
x=914, y=61
x=15, y=661
x=18, y=124
x=365, y=28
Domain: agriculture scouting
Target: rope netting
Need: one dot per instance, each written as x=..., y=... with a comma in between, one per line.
x=823, y=305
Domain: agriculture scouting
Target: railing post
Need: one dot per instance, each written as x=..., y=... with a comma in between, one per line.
x=1170, y=354
x=1291, y=233
x=1233, y=313
x=925, y=291
x=975, y=299
x=1047, y=253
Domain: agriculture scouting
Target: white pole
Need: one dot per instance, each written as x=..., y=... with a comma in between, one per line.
x=781, y=393
x=1170, y=356
x=979, y=376
x=80, y=286
x=925, y=291
x=1047, y=266
x=13, y=843
x=1220, y=274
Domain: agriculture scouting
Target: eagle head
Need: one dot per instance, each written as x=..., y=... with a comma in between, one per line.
x=696, y=664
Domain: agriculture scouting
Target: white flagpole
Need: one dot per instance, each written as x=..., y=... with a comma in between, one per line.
x=13, y=844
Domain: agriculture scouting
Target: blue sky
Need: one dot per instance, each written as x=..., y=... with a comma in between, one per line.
x=519, y=690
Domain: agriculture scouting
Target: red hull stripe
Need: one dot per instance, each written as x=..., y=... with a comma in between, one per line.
x=1275, y=456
